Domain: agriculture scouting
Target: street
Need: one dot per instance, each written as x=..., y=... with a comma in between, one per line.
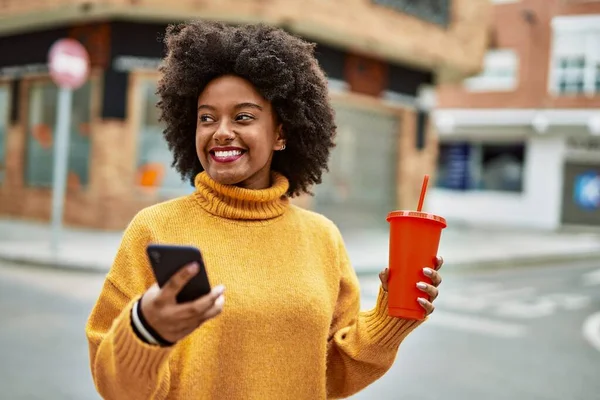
x=524, y=333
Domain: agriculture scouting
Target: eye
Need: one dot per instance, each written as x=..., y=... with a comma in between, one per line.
x=244, y=117
x=206, y=118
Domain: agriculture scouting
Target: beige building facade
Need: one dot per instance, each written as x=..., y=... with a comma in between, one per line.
x=382, y=59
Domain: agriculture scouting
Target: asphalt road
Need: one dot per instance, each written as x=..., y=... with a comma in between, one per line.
x=515, y=335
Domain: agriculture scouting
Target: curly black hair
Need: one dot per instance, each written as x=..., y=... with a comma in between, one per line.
x=281, y=67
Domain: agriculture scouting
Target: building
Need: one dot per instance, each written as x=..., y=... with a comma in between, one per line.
x=381, y=56
x=520, y=142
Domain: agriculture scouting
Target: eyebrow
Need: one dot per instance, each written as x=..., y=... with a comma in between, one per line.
x=237, y=106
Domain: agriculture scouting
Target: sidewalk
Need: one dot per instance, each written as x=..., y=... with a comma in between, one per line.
x=462, y=248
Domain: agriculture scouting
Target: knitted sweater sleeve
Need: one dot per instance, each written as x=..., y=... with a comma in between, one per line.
x=362, y=345
x=123, y=366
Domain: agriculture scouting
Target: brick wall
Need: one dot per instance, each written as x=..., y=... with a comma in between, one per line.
x=108, y=202
x=112, y=199
x=532, y=43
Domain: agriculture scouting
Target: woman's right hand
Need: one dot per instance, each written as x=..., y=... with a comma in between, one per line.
x=174, y=321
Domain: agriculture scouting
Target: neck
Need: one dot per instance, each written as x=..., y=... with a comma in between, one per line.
x=233, y=202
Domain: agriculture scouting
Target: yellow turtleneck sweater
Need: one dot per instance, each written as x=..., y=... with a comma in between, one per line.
x=291, y=327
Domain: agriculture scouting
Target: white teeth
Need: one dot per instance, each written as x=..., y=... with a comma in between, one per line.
x=229, y=153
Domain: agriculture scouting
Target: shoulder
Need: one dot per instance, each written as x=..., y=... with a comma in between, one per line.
x=317, y=224
x=165, y=213
x=323, y=235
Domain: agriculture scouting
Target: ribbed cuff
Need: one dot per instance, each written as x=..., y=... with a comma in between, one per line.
x=384, y=330
x=138, y=326
x=143, y=329
x=142, y=360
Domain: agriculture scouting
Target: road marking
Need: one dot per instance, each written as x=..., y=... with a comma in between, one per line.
x=511, y=294
x=591, y=278
x=535, y=309
x=591, y=330
x=485, y=326
x=521, y=303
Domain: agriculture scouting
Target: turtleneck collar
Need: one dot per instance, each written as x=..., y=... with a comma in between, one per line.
x=238, y=203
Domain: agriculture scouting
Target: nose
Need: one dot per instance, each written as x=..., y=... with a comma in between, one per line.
x=224, y=133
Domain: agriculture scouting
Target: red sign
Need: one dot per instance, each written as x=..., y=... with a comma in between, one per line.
x=69, y=63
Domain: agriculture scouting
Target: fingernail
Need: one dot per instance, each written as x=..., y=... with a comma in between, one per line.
x=428, y=271
x=219, y=289
x=421, y=285
x=421, y=300
x=193, y=268
x=220, y=301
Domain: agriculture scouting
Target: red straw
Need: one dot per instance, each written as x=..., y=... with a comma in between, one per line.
x=423, y=190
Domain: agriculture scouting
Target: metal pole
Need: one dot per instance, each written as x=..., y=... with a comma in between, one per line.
x=61, y=160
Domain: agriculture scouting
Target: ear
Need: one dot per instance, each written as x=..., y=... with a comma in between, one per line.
x=280, y=138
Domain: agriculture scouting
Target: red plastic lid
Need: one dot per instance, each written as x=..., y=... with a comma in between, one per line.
x=415, y=214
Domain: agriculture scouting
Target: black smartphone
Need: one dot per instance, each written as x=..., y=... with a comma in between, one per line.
x=166, y=260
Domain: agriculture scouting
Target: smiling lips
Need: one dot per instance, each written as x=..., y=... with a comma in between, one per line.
x=226, y=155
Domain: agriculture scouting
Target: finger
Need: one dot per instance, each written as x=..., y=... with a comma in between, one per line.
x=384, y=278
x=426, y=305
x=195, y=320
x=197, y=323
x=435, y=277
x=151, y=295
x=439, y=261
x=198, y=307
x=215, y=310
x=198, y=313
x=183, y=326
x=431, y=290
x=174, y=285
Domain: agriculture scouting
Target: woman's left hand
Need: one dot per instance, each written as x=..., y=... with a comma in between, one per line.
x=431, y=290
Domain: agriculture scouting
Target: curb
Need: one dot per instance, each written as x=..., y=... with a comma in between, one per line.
x=533, y=261
x=489, y=265
x=64, y=265
x=504, y=264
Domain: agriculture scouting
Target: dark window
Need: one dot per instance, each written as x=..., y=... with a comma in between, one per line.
x=407, y=81
x=481, y=166
x=331, y=60
x=434, y=11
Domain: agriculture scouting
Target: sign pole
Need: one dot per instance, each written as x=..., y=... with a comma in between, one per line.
x=61, y=159
x=69, y=67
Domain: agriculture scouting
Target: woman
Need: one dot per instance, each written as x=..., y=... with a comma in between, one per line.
x=248, y=121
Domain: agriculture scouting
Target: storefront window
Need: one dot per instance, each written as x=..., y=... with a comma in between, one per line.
x=4, y=109
x=154, y=170
x=40, y=134
x=481, y=166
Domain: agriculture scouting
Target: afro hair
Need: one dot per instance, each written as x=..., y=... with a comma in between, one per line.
x=281, y=67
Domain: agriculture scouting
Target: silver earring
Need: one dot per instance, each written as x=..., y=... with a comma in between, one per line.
x=282, y=148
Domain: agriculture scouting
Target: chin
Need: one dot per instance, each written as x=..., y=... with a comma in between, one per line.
x=226, y=177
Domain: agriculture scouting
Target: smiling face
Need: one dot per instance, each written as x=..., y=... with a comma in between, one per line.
x=236, y=133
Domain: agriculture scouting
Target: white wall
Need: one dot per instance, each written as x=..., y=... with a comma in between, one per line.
x=537, y=207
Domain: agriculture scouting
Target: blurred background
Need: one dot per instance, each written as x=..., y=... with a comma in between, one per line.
x=497, y=100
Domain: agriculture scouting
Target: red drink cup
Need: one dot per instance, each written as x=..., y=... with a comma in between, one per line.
x=414, y=241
